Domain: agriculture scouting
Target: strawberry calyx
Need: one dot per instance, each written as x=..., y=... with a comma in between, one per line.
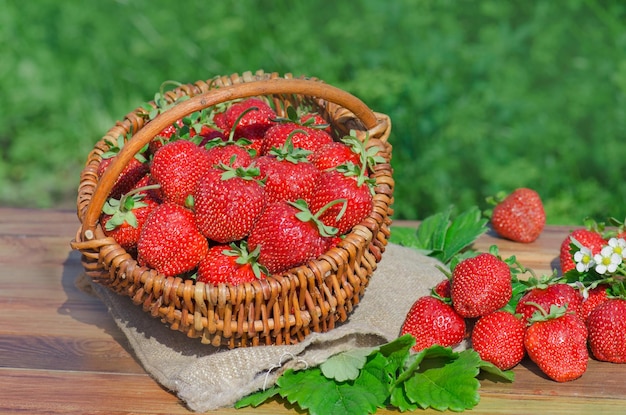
x=541, y=314
x=294, y=117
x=305, y=215
x=250, y=172
x=246, y=257
x=121, y=210
x=116, y=147
x=290, y=153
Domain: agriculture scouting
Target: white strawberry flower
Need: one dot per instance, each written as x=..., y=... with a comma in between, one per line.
x=607, y=260
x=584, y=259
x=619, y=246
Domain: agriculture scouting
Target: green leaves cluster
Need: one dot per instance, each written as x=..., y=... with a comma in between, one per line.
x=360, y=381
x=443, y=236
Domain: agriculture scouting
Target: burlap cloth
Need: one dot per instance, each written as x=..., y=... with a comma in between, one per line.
x=207, y=378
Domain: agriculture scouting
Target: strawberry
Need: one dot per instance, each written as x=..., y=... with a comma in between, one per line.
x=589, y=238
x=123, y=218
x=431, y=321
x=177, y=167
x=557, y=343
x=287, y=174
x=355, y=190
x=591, y=298
x=300, y=237
x=170, y=242
x=480, y=285
x=227, y=202
x=607, y=331
x=442, y=289
x=498, y=338
x=304, y=137
x=130, y=175
x=249, y=118
x=230, y=264
x=547, y=295
x=519, y=216
x=222, y=152
x=332, y=155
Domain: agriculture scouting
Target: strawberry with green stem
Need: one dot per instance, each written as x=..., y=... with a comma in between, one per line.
x=556, y=341
x=289, y=234
x=590, y=236
x=123, y=218
x=548, y=292
x=231, y=264
x=349, y=182
x=257, y=119
x=288, y=174
x=307, y=136
x=228, y=201
x=431, y=321
x=170, y=242
x=136, y=168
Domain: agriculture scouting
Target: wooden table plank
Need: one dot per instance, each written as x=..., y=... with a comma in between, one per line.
x=61, y=353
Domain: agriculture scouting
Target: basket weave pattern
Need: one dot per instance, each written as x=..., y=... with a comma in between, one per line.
x=285, y=307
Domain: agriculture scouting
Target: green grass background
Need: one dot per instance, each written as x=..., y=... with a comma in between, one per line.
x=484, y=95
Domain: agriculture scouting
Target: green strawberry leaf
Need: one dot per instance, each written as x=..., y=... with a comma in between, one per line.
x=257, y=398
x=347, y=365
x=312, y=391
x=441, y=236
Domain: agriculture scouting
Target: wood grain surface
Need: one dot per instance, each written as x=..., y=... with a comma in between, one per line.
x=61, y=353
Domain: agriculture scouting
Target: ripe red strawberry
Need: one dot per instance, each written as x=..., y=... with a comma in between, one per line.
x=228, y=202
x=170, y=242
x=498, y=338
x=519, y=216
x=592, y=298
x=588, y=238
x=122, y=219
x=130, y=175
x=288, y=175
x=230, y=264
x=177, y=167
x=431, y=321
x=164, y=136
x=300, y=237
x=557, y=343
x=559, y=294
x=442, y=289
x=334, y=154
x=480, y=285
x=249, y=118
x=228, y=153
x=303, y=137
x=355, y=190
x=607, y=331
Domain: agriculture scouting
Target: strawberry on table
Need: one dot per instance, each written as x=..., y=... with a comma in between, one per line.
x=170, y=242
x=518, y=216
x=288, y=235
x=480, y=285
x=498, y=338
x=607, y=331
x=547, y=295
x=228, y=202
x=591, y=298
x=557, y=342
x=588, y=237
x=431, y=321
x=230, y=264
x=177, y=167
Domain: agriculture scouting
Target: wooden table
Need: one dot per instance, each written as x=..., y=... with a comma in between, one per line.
x=61, y=353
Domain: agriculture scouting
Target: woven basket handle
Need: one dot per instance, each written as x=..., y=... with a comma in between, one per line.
x=207, y=99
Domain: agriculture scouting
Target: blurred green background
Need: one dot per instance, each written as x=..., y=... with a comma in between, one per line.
x=485, y=95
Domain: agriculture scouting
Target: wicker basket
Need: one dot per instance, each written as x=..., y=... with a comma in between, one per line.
x=283, y=308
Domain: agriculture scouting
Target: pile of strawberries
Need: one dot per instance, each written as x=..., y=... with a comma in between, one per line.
x=236, y=193
x=557, y=322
